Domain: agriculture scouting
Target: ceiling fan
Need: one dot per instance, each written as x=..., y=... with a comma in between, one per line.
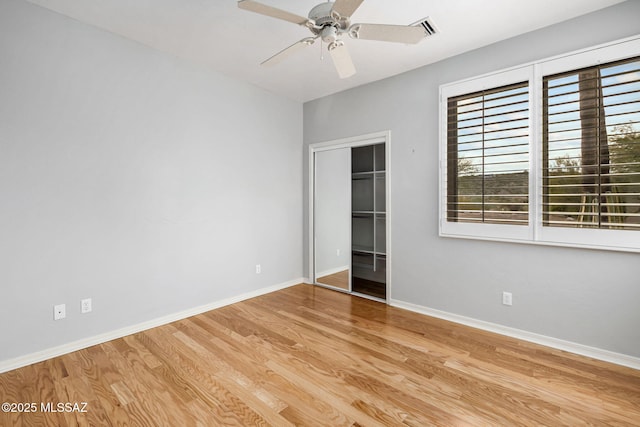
x=330, y=21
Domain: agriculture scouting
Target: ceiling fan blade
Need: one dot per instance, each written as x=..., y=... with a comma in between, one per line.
x=341, y=59
x=273, y=12
x=346, y=8
x=388, y=33
x=285, y=53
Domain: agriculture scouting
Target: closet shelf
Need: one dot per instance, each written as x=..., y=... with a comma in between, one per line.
x=367, y=174
x=366, y=250
x=380, y=213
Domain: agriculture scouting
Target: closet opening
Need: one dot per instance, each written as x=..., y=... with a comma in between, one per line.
x=349, y=210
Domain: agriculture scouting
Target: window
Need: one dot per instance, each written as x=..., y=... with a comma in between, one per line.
x=488, y=156
x=546, y=153
x=592, y=147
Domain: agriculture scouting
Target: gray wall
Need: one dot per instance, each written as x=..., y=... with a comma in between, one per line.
x=584, y=296
x=133, y=178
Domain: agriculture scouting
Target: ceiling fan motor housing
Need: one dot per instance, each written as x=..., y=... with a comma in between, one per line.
x=323, y=17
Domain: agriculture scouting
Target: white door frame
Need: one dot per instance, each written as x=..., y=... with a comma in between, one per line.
x=355, y=141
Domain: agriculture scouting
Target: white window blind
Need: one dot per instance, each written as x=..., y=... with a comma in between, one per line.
x=488, y=156
x=591, y=147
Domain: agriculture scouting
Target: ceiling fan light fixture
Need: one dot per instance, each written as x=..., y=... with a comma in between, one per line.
x=329, y=34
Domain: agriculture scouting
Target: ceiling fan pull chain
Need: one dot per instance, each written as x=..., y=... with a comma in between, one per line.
x=321, y=51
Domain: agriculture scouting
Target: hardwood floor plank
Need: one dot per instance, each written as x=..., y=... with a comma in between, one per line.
x=102, y=378
x=252, y=364
x=310, y=356
x=374, y=366
x=144, y=383
x=226, y=372
x=253, y=396
x=316, y=386
x=206, y=372
x=49, y=372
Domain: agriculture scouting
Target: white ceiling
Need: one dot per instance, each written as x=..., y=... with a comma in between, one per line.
x=221, y=37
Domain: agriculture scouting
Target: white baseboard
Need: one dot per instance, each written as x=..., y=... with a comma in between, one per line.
x=332, y=271
x=593, y=352
x=19, y=362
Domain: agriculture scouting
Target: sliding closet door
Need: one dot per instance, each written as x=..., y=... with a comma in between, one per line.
x=349, y=215
x=332, y=217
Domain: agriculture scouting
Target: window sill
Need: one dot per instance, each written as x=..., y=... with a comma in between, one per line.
x=593, y=239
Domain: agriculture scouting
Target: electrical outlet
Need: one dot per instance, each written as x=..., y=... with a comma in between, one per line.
x=258, y=269
x=337, y=252
x=85, y=305
x=59, y=312
x=507, y=298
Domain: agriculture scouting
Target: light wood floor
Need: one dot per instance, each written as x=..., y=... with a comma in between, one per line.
x=311, y=356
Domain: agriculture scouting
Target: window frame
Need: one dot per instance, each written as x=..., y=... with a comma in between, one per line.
x=534, y=232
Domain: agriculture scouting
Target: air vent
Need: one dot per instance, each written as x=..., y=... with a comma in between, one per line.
x=428, y=25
